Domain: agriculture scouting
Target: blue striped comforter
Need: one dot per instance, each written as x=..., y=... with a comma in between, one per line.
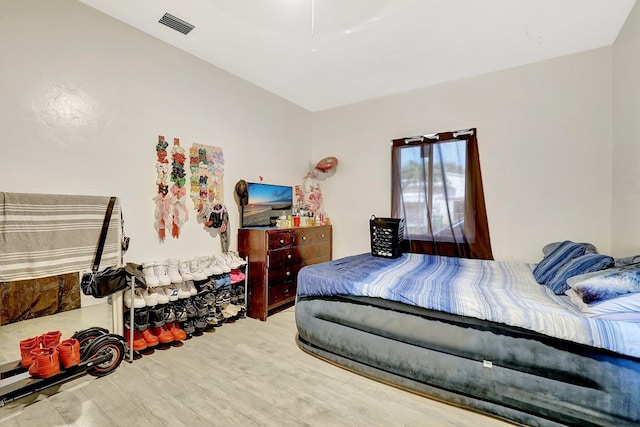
x=490, y=290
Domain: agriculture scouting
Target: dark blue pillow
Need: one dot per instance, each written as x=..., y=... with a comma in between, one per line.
x=583, y=264
x=551, y=263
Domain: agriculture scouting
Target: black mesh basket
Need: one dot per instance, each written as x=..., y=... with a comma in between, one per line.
x=386, y=236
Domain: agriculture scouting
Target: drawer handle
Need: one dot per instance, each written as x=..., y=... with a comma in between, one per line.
x=322, y=235
x=289, y=256
x=282, y=241
x=304, y=237
x=288, y=273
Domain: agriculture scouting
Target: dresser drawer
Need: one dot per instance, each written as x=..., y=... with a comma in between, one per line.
x=281, y=293
x=322, y=235
x=283, y=257
x=304, y=236
x=283, y=275
x=316, y=250
x=281, y=239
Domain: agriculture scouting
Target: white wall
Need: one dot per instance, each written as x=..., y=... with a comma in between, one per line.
x=544, y=132
x=626, y=137
x=83, y=98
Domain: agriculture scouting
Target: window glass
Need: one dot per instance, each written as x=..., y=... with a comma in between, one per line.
x=432, y=179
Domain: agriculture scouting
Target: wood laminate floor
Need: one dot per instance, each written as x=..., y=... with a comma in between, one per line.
x=249, y=373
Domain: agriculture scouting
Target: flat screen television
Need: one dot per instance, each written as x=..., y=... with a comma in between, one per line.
x=266, y=202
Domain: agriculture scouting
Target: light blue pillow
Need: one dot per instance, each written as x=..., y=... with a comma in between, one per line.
x=609, y=284
x=586, y=263
x=551, y=263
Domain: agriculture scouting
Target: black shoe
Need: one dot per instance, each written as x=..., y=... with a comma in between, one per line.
x=234, y=296
x=190, y=308
x=156, y=316
x=181, y=311
x=202, y=285
x=200, y=324
x=188, y=327
x=226, y=296
x=141, y=319
x=212, y=321
x=202, y=308
x=219, y=298
x=169, y=313
x=210, y=298
x=219, y=317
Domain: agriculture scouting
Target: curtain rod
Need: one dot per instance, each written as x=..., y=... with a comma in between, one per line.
x=436, y=136
x=463, y=132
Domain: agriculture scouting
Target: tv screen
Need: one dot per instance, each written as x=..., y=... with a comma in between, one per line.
x=265, y=204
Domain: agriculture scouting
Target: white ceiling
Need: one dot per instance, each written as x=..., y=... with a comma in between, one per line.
x=363, y=49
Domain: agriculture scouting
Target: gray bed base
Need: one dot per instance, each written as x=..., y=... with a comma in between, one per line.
x=506, y=372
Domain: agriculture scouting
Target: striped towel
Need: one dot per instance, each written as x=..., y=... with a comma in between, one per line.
x=49, y=234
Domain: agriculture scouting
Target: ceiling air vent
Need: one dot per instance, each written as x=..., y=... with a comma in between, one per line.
x=176, y=23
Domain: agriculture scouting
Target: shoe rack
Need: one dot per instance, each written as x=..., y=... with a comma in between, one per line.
x=206, y=289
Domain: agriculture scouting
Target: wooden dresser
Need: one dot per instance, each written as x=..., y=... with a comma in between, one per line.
x=275, y=257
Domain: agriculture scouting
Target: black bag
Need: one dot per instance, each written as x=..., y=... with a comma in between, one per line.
x=103, y=283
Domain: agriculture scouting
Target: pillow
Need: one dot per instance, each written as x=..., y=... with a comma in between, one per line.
x=573, y=281
x=551, y=246
x=625, y=307
x=610, y=284
x=551, y=263
x=620, y=262
x=586, y=263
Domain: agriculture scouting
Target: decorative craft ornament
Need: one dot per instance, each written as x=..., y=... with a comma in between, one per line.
x=179, y=211
x=206, y=183
x=216, y=217
x=310, y=197
x=311, y=194
x=162, y=199
x=327, y=164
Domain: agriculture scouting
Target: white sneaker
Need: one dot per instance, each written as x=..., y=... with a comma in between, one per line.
x=172, y=271
x=220, y=262
x=172, y=292
x=161, y=272
x=138, y=300
x=192, y=288
x=150, y=277
x=150, y=297
x=237, y=263
x=204, y=263
x=216, y=269
x=230, y=263
x=183, y=291
x=196, y=272
x=163, y=297
x=235, y=256
x=185, y=271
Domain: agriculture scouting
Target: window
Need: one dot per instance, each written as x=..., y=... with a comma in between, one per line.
x=437, y=189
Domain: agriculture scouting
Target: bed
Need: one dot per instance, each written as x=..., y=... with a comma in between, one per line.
x=484, y=335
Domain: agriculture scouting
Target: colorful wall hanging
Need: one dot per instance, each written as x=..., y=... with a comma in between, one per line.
x=171, y=208
x=311, y=195
x=162, y=198
x=179, y=211
x=207, y=172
